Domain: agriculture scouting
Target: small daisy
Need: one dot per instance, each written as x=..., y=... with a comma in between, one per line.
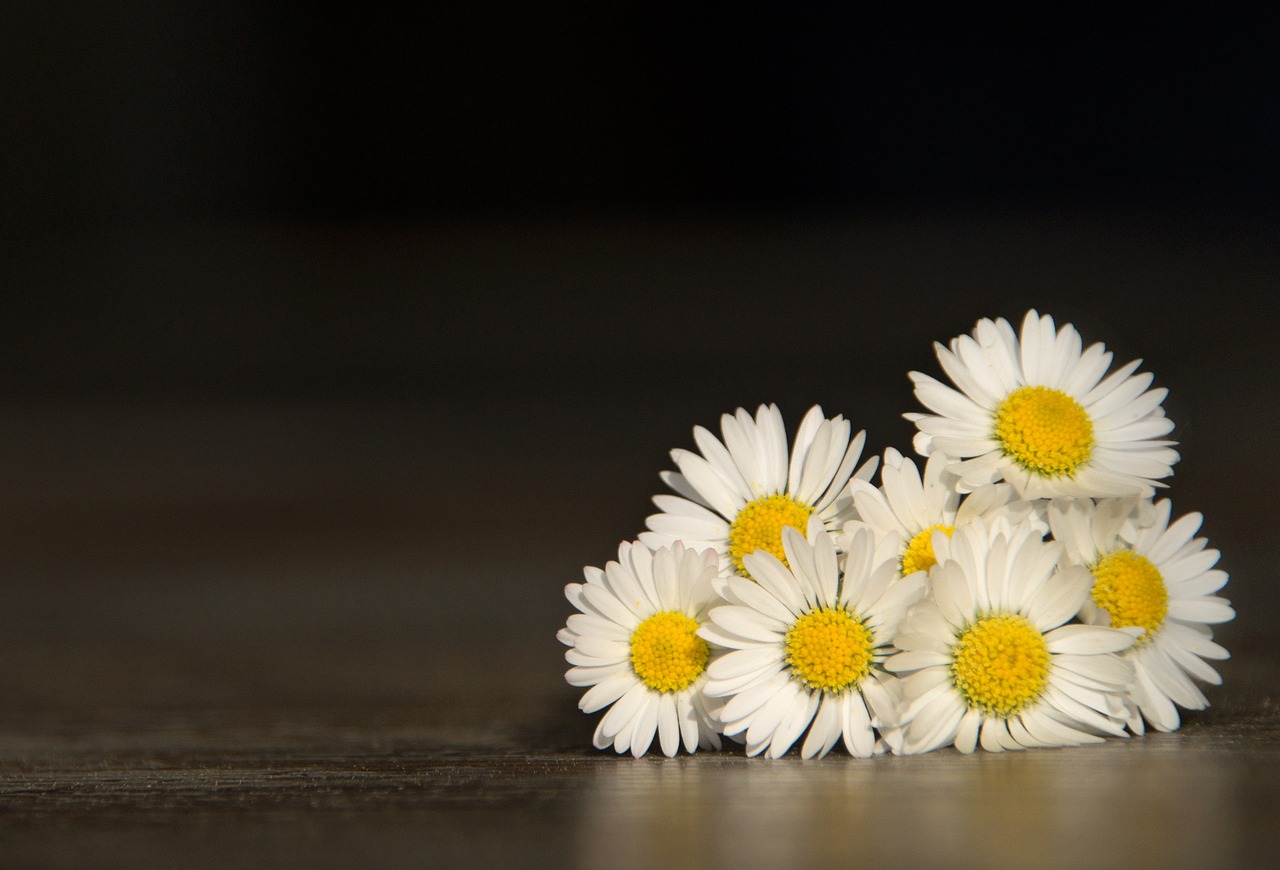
x=635, y=643
x=990, y=658
x=806, y=643
x=1157, y=577
x=1036, y=411
x=738, y=495
x=914, y=508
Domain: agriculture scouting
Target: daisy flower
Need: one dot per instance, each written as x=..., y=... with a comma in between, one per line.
x=635, y=644
x=1155, y=576
x=990, y=658
x=914, y=507
x=806, y=642
x=737, y=496
x=1035, y=410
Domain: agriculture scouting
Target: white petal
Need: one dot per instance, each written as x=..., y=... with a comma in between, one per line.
x=1173, y=681
x=825, y=731
x=590, y=675
x=725, y=687
x=1208, y=609
x=688, y=528
x=624, y=710
x=766, y=720
x=582, y=624
x=858, y=737
x=912, y=661
x=746, y=661
x=747, y=623
x=793, y=724
x=775, y=579
x=605, y=693
x=1086, y=716
x=1155, y=705
x=966, y=739
x=646, y=724
x=1192, y=664
x=1051, y=732
x=935, y=726
x=1105, y=672
x=603, y=648
x=1194, y=640
x=668, y=724
x=709, y=484
x=748, y=701
x=1087, y=640
x=758, y=598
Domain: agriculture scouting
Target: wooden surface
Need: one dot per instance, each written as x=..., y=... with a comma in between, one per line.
x=362, y=757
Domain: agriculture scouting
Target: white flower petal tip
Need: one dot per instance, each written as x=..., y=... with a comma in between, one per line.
x=635, y=645
x=1036, y=410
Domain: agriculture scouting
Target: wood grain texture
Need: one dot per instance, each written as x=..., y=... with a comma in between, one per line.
x=439, y=774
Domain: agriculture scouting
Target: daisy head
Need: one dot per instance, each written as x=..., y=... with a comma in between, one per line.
x=806, y=641
x=990, y=657
x=1153, y=576
x=634, y=642
x=737, y=495
x=914, y=507
x=1034, y=409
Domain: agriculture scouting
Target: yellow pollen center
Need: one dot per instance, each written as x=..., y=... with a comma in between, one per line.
x=759, y=525
x=919, y=554
x=829, y=649
x=1127, y=586
x=666, y=652
x=1000, y=664
x=1044, y=430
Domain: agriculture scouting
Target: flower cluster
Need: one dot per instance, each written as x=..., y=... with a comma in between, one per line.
x=1024, y=588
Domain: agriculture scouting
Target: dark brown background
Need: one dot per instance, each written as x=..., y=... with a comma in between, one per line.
x=335, y=342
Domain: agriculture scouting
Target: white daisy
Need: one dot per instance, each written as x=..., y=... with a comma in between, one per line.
x=635, y=644
x=913, y=508
x=737, y=495
x=1036, y=411
x=1158, y=577
x=989, y=656
x=806, y=642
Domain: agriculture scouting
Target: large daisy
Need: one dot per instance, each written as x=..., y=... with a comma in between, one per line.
x=1156, y=576
x=1035, y=410
x=914, y=507
x=635, y=644
x=737, y=495
x=806, y=643
x=990, y=657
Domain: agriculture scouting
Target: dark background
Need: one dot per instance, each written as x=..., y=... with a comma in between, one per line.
x=144, y=113
x=369, y=325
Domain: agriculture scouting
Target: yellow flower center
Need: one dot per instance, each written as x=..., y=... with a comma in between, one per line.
x=829, y=649
x=919, y=555
x=1000, y=664
x=1130, y=588
x=1044, y=430
x=666, y=652
x=759, y=525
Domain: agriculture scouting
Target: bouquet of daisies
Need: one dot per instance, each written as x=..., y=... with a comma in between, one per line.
x=1016, y=586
